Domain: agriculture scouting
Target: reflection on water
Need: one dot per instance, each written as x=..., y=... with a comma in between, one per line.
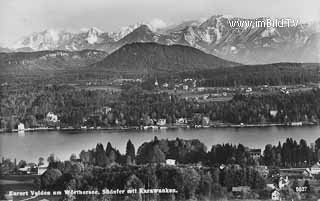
x=21, y=133
x=32, y=145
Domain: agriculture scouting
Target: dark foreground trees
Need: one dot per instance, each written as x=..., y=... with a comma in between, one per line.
x=198, y=174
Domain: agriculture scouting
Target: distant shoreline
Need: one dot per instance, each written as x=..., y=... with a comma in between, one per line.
x=165, y=127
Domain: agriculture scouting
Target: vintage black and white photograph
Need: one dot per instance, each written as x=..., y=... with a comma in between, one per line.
x=160, y=100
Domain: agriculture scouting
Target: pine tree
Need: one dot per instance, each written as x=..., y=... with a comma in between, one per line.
x=130, y=153
x=101, y=157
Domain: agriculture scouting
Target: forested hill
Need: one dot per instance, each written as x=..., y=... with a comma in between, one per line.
x=269, y=74
x=17, y=65
x=150, y=58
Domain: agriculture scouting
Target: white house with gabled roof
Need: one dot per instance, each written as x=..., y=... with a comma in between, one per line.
x=315, y=169
x=20, y=127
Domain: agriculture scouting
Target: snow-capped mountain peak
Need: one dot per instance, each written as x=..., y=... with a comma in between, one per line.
x=93, y=35
x=213, y=35
x=51, y=34
x=123, y=31
x=45, y=40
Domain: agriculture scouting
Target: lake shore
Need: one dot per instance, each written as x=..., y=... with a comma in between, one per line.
x=62, y=143
x=168, y=126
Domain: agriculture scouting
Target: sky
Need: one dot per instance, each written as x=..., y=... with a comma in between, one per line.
x=21, y=17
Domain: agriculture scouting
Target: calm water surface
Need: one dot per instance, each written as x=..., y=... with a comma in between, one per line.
x=33, y=145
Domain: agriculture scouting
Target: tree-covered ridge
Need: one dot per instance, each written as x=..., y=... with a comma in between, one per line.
x=249, y=75
x=135, y=107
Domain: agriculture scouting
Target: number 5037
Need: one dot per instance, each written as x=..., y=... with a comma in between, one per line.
x=301, y=189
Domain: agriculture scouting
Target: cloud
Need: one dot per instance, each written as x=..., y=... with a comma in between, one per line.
x=157, y=23
x=21, y=17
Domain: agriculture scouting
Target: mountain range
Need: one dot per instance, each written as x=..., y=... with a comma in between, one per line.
x=214, y=36
x=145, y=61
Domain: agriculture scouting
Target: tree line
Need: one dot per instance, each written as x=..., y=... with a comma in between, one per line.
x=135, y=107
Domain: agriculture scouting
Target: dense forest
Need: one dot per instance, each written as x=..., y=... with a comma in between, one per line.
x=302, y=106
x=252, y=75
x=31, y=106
x=135, y=107
x=198, y=174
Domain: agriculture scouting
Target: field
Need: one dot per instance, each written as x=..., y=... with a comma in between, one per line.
x=17, y=182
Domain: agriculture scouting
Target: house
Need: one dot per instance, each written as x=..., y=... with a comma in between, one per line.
x=255, y=153
x=283, y=182
x=171, y=162
x=182, y=121
x=315, y=169
x=284, y=90
x=185, y=87
x=106, y=110
x=165, y=85
x=273, y=113
x=296, y=123
x=239, y=191
x=249, y=90
x=116, y=121
x=25, y=170
x=294, y=172
x=271, y=186
x=205, y=121
x=20, y=127
x=222, y=166
x=42, y=169
x=205, y=96
x=161, y=122
x=148, y=121
x=275, y=195
x=187, y=79
x=51, y=117
x=32, y=168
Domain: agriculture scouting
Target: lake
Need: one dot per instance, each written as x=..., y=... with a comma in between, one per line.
x=32, y=145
